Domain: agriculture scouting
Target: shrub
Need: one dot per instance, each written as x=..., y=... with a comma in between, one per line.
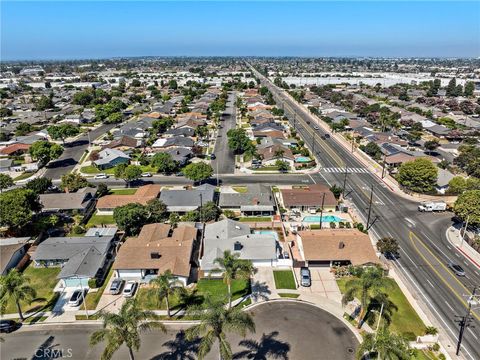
x=333, y=225
x=348, y=225
x=78, y=229
x=435, y=347
x=92, y=283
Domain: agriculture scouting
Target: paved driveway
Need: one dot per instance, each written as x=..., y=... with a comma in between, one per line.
x=284, y=330
x=323, y=284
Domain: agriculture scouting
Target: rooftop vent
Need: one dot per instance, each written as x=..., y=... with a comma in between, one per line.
x=341, y=245
x=155, y=255
x=237, y=227
x=237, y=246
x=97, y=233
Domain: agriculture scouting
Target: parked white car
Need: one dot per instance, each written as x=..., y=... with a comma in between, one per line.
x=77, y=297
x=101, y=176
x=147, y=174
x=130, y=288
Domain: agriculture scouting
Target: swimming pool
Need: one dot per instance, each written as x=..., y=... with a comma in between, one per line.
x=325, y=218
x=303, y=159
x=267, y=232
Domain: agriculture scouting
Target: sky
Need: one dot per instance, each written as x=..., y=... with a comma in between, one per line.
x=92, y=29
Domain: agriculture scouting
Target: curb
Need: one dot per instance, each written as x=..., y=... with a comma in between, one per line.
x=468, y=257
x=459, y=249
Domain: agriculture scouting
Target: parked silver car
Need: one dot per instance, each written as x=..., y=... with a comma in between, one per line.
x=116, y=286
x=305, y=277
x=457, y=269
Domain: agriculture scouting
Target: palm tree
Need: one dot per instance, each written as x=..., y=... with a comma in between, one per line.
x=385, y=345
x=233, y=268
x=124, y=328
x=15, y=287
x=215, y=322
x=166, y=285
x=367, y=284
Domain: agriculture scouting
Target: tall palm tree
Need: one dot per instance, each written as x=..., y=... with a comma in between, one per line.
x=367, y=284
x=166, y=285
x=233, y=268
x=216, y=321
x=124, y=328
x=385, y=345
x=15, y=287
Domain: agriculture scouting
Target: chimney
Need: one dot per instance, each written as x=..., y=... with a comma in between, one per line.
x=341, y=245
x=155, y=255
x=237, y=246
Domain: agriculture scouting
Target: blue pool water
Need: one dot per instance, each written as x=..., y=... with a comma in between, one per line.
x=325, y=218
x=267, y=232
x=302, y=159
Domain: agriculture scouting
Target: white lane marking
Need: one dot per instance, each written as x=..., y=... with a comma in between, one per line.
x=433, y=243
x=473, y=334
x=451, y=308
x=312, y=178
x=409, y=258
x=410, y=221
x=449, y=248
x=430, y=283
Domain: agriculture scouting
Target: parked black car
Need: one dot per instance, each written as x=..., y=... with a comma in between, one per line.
x=7, y=326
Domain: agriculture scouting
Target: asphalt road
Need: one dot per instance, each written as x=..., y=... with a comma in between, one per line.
x=284, y=330
x=73, y=152
x=424, y=249
x=225, y=158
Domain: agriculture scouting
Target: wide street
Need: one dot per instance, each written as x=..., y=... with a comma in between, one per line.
x=424, y=249
x=225, y=161
x=284, y=330
x=73, y=153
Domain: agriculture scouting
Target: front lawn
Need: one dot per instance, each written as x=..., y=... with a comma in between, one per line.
x=217, y=288
x=284, y=279
x=97, y=220
x=43, y=280
x=92, y=298
x=405, y=320
x=23, y=176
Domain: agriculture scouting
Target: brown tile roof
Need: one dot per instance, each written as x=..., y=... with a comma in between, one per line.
x=339, y=245
x=174, y=248
x=10, y=149
x=142, y=196
x=308, y=196
x=124, y=141
x=274, y=134
x=268, y=153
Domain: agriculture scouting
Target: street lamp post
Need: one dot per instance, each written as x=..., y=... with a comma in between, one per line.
x=321, y=211
x=465, y=320
x=464, y=231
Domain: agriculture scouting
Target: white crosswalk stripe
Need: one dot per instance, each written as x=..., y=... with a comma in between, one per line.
x=348, y=170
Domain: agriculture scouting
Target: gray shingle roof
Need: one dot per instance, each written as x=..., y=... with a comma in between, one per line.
x=256, y=195
x=187, y=200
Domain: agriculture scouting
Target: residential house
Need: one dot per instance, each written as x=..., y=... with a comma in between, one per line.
x=309, y=198
x=157, y=248
x=183, y=201
x=81, y=202
x=173, y=142
x=80, y=258
x=262, y=249
x=443, y=178
x=12, y=252
x=257, y=200
x=109, y=158
x=106, y=204
x=5, y=165
x=124, y=143
x=329, y=247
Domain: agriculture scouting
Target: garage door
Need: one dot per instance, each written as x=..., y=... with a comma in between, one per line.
x=319, y=263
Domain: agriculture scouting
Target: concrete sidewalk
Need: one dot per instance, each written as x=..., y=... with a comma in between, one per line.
x=454, y=237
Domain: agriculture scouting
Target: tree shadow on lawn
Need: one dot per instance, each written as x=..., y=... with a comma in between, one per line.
x=179, y=349
x=267, y=348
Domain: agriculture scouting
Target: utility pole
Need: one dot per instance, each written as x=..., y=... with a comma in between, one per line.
x=466, y=319
x=370, y=206
x=384, y=163
x=321, y=211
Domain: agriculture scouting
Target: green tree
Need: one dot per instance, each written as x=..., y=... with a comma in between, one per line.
x=73, y=182
x=166, y=285
x=198, y=171
x=431, y=145
x=467, y=205
x=21, y=205
x=130, y=218
x=367, y=283
x=469, y=88
x=15, y=287
x=44, y=103
x=216, y=322
x=45, y=151
x=173, y=219
x=388, y=245
x=232, y=268
x=238, y=140
x=23, y=129
x=164, y=163
x=157, y=211
x=102, y=190
x=452, y=88
x=128, y=173
x=282, y=166
x=62, y=131
x=373, y=150
x=384, y=345
x=419, y=175
x=39, y=185
x=5, y=182
x=124, y=328
x=172, y=84
x=4, y=112
x=114, y=118
x=469, y=160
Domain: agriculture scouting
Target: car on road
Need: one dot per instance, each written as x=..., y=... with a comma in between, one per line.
x=147, y=174
x=101, y=176
x=308, y=122
x=77, y=297
x=327, y=136
x=213, y=156
x=305, y=277
x=315, y=127
x=130, y=288
x=179, y=174
x=116, y=286
x=457, y=269
x=7, y=326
